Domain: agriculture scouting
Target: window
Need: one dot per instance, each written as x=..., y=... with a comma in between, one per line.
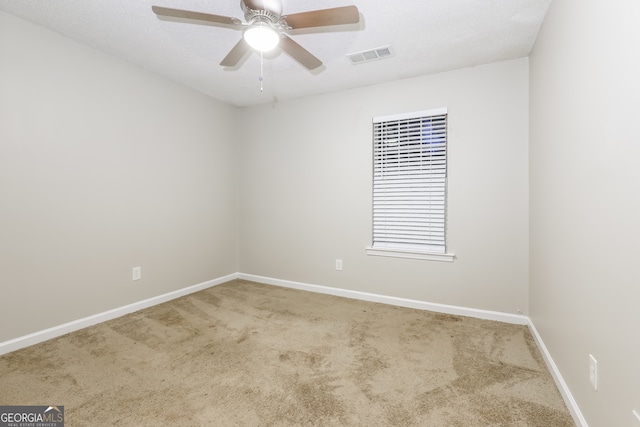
x=410, y=185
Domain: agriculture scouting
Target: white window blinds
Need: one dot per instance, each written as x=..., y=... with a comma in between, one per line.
x=410, y=181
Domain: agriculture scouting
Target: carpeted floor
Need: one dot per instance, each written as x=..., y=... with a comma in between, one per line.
x=248, y=354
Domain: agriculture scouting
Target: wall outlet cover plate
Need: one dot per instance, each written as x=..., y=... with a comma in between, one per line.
x=593, y=372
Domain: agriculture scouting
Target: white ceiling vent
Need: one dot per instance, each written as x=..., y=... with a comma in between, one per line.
x=370, y=55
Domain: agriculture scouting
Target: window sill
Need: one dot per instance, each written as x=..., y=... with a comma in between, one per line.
x=411, y=254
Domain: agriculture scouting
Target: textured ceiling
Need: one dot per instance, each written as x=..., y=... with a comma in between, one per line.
x=426, y=36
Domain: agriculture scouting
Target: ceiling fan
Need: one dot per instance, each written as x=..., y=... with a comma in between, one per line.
x=265, y=27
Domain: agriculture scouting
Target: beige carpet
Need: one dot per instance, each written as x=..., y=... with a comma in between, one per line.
x=247, y=354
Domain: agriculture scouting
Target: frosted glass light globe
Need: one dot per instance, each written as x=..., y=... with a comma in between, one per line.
x=261, y=37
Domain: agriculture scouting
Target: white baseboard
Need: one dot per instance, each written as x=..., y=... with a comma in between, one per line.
x=401, y=302
x=56, y=331
x=40, y=336
x=571, y=403
x=447, y=309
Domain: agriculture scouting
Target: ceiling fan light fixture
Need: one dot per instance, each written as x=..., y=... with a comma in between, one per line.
x=265, y=27
x=260, y=36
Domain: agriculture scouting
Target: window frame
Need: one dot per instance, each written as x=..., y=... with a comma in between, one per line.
x=406, y=250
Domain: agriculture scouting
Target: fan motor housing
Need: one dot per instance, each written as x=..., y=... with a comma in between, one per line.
x=264, y=14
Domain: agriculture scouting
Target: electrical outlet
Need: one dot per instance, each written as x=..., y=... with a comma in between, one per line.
x=339, y=264
x=593, y=372
x=636, y=418
x=136, y=273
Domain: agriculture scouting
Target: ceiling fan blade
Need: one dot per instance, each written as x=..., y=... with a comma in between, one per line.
x=198, y=16
x=320, y=18
x=299, y=53
x=236, y=53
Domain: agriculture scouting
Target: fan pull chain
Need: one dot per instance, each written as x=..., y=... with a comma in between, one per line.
x=261, y=78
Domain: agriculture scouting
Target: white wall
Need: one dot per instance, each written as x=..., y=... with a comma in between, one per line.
x=305, y=189
x=103, y=167
x=585, y=200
